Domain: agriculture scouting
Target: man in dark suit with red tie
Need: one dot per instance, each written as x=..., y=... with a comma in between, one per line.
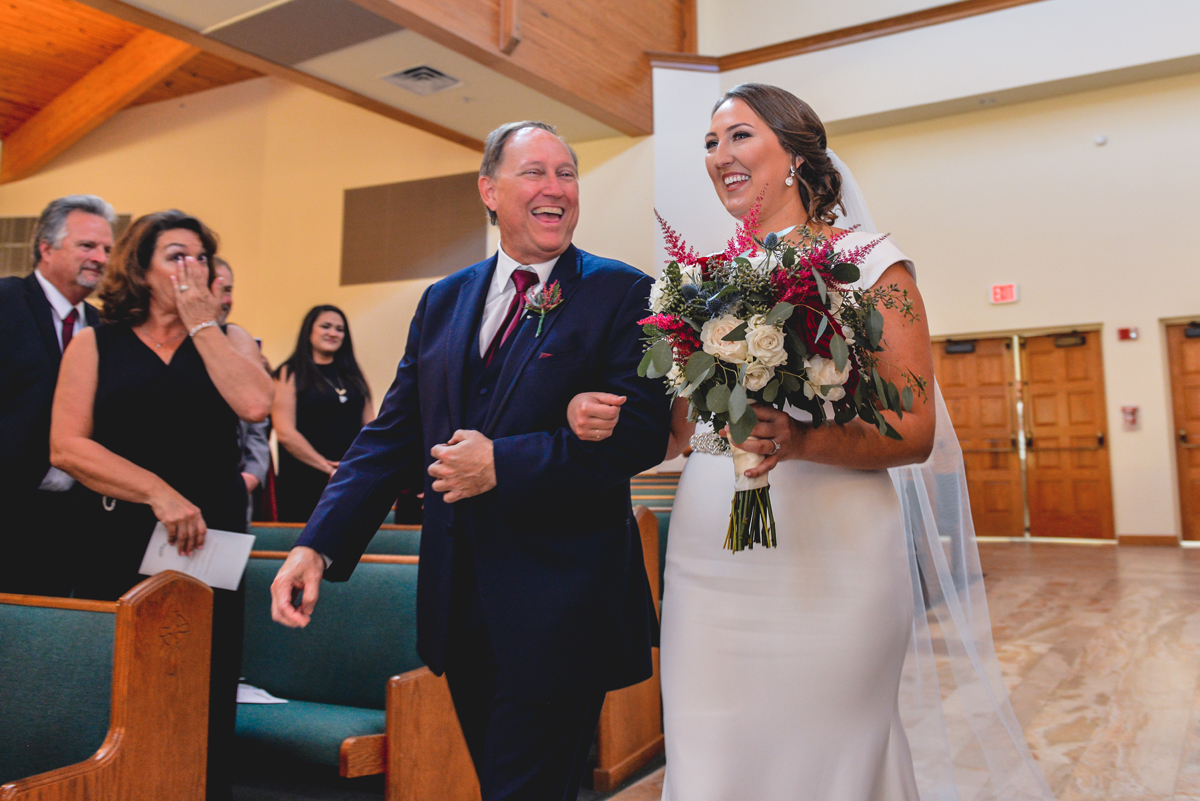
x=532, y=594
x=38, y=316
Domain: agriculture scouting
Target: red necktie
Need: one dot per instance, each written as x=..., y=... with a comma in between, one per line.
x=69, y=327
x=523, y=279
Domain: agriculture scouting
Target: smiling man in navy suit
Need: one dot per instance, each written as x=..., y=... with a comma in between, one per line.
x=532, y=592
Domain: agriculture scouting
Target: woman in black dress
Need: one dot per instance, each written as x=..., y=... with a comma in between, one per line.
x=321, y=403
x=145, y=416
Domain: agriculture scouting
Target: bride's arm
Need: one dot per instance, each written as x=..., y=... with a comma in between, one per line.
x=857, y=444
x=594, y=415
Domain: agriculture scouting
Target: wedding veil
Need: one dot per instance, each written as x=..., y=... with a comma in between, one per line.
x=966, y=742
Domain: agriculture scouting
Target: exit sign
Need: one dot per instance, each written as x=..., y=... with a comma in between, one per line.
x=1004, y=293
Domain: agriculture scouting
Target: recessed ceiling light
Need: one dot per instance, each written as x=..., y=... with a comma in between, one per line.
x=423, y=80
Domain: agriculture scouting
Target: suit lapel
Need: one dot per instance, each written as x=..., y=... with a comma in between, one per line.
x=471, y=297
x=43, y=315
x=525, y=340
x=91, y=315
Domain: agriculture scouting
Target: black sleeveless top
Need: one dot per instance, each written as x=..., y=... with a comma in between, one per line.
x=330, y=425
x=168, y=419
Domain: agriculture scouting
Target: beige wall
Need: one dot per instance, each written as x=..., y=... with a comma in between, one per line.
x=1092, y=234
x=265, y=164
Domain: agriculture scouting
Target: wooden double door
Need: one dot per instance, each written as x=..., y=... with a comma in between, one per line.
x=1030, y=415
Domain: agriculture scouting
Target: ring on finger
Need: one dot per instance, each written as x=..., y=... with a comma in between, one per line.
x=183, y=287
x=776, y=444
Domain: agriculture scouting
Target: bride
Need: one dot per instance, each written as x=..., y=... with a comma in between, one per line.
x=811, y=671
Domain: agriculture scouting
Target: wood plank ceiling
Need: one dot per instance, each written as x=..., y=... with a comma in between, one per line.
x=48, y=46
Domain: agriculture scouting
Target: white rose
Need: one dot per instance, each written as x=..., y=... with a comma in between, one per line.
x=690, y=275
x=713, y=334
x=822, y=372
x=765, y=343
x=656, y=296
x=758, y=375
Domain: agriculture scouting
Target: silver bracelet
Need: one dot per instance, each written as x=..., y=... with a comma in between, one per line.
x=201, y=327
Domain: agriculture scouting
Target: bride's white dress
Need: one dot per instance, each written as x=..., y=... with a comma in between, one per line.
x=781, y=667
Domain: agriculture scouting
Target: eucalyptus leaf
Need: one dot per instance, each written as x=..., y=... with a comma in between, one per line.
x=874, y=326
x=790, y=384
x=821, y=290
x=662, y=356
x=717, y=398
x=893, y=396
x=738, y=403
x=644, y=365
x=845, y=272
x=840, y=351
x=795, y=344
x=738, y=334
x=651, y=330
x=789, y=258
x=742, y=261
x=906, y=398
x=822, y=326
x=880, y=392
x=697, y=364
x=781, y=311
x=740, y=430
x=844, y=415
x=771, y=391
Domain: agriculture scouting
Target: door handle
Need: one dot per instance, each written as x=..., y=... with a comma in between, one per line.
x=1012, y=448
x=1183, y=440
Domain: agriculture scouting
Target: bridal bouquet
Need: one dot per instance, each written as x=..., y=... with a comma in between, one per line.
x=772, y=322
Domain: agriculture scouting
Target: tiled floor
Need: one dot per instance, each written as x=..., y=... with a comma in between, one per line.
x=1100, y=647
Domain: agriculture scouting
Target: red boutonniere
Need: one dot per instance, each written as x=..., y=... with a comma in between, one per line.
x=542, y=303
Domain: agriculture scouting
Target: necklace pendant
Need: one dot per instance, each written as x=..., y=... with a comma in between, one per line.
x=342, y=396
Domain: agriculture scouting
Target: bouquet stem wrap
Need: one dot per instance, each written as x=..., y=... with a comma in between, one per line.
x=751, y=521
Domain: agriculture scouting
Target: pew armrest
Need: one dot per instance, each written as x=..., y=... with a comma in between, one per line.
x=160, y=662
x=427, y=756
x=363, y=756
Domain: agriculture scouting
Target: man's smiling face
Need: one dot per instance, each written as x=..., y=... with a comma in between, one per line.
x=535, y=195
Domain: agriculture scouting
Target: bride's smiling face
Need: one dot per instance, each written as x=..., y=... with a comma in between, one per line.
x=744, y=158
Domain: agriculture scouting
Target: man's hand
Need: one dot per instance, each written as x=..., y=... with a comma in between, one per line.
x=302, y=570
x=465, y=466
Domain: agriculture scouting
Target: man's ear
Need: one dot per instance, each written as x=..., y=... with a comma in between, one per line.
x=44, y=249
x=487, y=191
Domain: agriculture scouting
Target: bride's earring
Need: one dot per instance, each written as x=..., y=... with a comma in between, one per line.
x=791, y=179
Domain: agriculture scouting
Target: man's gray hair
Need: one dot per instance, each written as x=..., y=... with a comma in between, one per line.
x=219, y=262
x=493, y=148
x=52, y=225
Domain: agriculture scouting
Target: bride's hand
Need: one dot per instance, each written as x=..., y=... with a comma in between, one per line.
x=777, y=437
x=593, y=415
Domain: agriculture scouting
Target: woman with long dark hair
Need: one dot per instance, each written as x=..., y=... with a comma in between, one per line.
x=146, y=417
x=321, y=402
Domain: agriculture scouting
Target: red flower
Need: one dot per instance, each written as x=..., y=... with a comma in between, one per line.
x=677, y=249
x=682, y=336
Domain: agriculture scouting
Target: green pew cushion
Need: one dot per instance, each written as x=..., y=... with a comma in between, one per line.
x=55, y=687
x=305, y=730
x=399, y=542
x=362, y=633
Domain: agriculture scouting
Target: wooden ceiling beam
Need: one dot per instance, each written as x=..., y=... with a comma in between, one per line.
x=138, y=16
x=109, y=87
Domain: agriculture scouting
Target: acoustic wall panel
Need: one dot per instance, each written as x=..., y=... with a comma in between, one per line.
x=413, y=229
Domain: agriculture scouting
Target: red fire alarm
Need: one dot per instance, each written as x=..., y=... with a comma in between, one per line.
x=1004, y=293
x=1127, y=333
x=1129, y=418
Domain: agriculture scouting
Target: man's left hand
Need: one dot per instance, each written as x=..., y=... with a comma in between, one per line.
x=465, y=466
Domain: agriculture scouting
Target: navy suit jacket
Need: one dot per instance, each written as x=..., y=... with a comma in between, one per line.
x=29, y=360
x=558, y=558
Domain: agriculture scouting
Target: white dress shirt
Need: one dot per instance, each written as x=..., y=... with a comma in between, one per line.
x=56, y=480
x=501, y=292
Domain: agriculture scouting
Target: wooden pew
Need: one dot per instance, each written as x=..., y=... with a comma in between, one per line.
x=630, y=732
x=156, y=744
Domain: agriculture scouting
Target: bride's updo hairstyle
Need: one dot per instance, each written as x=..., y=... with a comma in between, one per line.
x=801, y=133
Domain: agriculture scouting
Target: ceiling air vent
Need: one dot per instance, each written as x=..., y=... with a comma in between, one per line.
x=423, y=80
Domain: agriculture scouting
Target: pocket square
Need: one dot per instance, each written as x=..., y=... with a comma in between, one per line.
x=544, y=355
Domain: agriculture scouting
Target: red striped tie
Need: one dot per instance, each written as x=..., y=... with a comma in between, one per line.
x=68, y=329
x=523, y=279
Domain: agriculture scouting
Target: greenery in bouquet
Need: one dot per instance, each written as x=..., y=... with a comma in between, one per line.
x=775, y=321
